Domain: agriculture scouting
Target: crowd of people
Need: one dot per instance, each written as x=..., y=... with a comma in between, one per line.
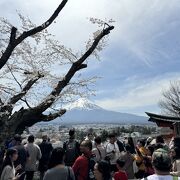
x=91, y=159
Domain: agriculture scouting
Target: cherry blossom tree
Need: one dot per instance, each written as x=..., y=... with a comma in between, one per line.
x=36, y=72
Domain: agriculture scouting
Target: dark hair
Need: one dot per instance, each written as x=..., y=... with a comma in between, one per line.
x=159, y=139
x=142, y=141
x=89, y=134
x=97, y=140
x=18, y=138
x=111, y=135
x=31, y=139
x=158, y=145
x=161, y=166
x=71, y=132
x=120, y=162
x=161, y=160
x=104, y=168
x=87, y=143
x=44, y=137
x=128, y=147
x=130, y=142
x=57, y=157
x=7, y=160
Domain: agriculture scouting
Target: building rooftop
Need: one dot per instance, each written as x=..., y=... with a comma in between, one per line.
x=157, y=117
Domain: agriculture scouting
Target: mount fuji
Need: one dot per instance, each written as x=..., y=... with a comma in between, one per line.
x=82, y=104
x=84, y=111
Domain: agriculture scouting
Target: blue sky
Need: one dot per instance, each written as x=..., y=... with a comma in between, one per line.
x=143, y=51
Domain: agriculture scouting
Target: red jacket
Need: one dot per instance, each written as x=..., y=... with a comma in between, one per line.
x=120, y=175
x=80, y=168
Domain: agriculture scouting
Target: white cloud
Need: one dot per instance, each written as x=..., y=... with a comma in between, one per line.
x=140, y=93
x=137, y=22
x=146, y=29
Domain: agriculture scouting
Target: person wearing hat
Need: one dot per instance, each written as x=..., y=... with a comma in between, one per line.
x=162, y=164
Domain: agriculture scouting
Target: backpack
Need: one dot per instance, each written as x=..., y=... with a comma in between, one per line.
x=92, y=162
x=110, y=155
x=71, y=152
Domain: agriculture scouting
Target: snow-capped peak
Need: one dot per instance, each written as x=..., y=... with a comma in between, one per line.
x=83, y=103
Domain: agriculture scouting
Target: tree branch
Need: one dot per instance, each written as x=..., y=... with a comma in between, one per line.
x=14, y=76
x=44, y=25
x=53, y=116
x=82, y=66
x=170, y=103
x=24, y=100
x=13, y=42
x=1, y=103
x=74, y=68
x=28, y=117
x=13, y=35
x=29, y=84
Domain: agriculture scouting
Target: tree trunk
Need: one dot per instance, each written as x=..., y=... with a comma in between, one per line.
x=11, y=124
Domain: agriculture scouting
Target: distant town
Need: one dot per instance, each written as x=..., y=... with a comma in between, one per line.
x=59, y=133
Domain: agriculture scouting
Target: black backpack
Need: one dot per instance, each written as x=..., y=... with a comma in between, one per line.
x=92, y=162
x=71, y=152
